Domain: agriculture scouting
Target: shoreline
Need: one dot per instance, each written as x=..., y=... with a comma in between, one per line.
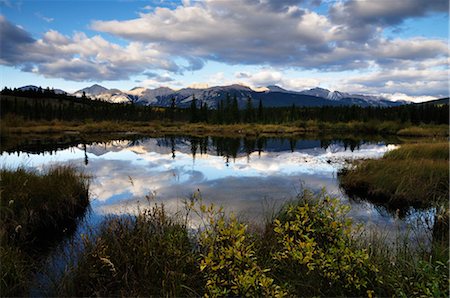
x=203, y=129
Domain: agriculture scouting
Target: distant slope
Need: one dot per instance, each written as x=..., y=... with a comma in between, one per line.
x=436, y=102
x=270, y=96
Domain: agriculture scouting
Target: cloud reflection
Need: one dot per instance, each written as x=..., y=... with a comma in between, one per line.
x=126, y=171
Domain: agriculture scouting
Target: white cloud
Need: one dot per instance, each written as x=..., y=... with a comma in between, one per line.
x=271, y=33
x=409, y=84
x=274, y=35
x=266, y=77
x=42, y=17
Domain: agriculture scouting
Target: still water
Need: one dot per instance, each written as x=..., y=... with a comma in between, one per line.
x=250, y=177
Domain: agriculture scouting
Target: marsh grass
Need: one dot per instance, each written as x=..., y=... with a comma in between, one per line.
x=433, y=151
x=12, y=124
x=150, y=254
x=309, y=247
x=424, y=131
x=407, y=269
x=36, y=211
x=38, y=207
x=414, y=175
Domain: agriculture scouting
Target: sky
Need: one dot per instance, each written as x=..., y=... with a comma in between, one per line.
x=397, y=49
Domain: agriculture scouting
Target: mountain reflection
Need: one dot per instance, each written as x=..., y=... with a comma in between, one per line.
x=242, y=174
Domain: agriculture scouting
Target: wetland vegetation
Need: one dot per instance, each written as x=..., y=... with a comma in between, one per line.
x=309, y=246
x=414, y=175
x=38, y=210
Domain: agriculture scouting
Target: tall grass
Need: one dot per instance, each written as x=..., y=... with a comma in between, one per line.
x=147, y=255
x=414, y=175
x=37, y=207
x=36, y=210
x=433, y=151
x=406, y=270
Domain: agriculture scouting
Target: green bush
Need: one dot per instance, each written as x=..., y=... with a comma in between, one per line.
x=315, y=249
x=229, y=262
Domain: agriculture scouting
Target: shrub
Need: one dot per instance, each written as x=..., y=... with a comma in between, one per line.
x=315, y=249
x=229, y=262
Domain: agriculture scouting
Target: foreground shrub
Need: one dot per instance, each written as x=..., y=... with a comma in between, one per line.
x=147, y=255
x=310, y=248
x=315, y=254
x=229, y=262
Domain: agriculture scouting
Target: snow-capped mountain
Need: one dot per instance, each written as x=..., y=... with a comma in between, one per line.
x=101, y=93
x=270, y=96
x=91, y=91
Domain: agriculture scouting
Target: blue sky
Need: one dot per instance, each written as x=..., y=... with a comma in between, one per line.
x=397, y=49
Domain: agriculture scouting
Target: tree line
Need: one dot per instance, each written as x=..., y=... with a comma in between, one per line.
x=45, y=104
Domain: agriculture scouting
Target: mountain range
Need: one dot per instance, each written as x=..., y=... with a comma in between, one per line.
x=270, y=96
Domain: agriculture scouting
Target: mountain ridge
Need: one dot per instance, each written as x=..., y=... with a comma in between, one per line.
x=270, y=96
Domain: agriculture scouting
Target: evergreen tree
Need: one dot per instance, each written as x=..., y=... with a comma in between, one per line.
x=235, y=110
x=260, y=112
x=172, y=110
x=249, y=111
x=204, y=112
x=293, y=113
x=220, y=112
x=194, y=116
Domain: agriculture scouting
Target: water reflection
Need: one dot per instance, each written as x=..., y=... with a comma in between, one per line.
x=242, y=174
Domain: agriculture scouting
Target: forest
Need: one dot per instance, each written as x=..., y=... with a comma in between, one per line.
x=45, y=104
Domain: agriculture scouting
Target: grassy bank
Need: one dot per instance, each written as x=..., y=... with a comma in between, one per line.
x=309, y=248
x=36, y=211
x=16, y=125
x=414, y=175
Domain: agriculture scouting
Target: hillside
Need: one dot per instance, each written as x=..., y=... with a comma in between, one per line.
x=270, y=96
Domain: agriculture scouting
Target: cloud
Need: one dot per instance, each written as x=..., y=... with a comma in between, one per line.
x=42, y=17
x=280, y=33
x=267, y=77
x=356, y=12
x=158, y=78
x=79, y=57
x=16, y=4
x=274, y=35
x=15, y=41
x=419, y=84
x=412, y=49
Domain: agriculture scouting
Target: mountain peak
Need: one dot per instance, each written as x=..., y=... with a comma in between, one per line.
x=93, y=90
x=275, y=88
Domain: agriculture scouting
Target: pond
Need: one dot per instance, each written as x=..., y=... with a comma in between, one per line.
x=249, y=176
